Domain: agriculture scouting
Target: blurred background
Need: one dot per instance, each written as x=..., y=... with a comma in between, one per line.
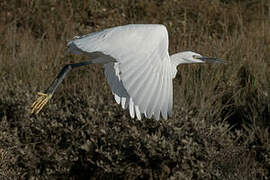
x=220, y=126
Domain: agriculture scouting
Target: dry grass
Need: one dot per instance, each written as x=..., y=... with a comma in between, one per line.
x=220, y=127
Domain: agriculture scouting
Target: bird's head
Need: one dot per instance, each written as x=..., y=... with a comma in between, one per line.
x=192, y=57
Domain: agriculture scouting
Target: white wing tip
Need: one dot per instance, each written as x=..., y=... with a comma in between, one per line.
x=131, y=108
x=157, y=115
x=123, y=102
x=138, y=113
x=117, y=98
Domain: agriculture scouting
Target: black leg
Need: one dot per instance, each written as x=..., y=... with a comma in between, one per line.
x=45, y=97
x=65, y=70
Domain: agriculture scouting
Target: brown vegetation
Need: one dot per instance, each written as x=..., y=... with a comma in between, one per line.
x=220, y=127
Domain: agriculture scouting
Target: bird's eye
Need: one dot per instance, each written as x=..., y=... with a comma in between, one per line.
x=195, y=57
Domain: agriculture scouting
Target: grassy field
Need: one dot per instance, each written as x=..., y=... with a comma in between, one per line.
x=220, y=127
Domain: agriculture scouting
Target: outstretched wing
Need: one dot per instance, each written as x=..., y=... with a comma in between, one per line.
x=137, y=66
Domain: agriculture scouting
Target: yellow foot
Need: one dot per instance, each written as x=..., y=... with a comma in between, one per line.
x=40, y=102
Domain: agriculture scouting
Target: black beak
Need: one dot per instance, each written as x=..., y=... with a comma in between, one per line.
x=212, y=60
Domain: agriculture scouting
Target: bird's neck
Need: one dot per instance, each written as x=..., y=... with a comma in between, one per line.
x=178, y=58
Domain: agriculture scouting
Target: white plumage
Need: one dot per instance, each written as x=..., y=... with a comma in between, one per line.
x=137, y=66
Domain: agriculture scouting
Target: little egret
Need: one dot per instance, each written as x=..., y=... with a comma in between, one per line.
x=137, y=65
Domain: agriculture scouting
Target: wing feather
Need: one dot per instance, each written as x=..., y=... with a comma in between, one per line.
x=160, y=97
x=154, y=106
x=144, y=90
x=131, y=108
x=117, y=98
x=131, y=81
x=137, y=66
x=168, y=89
x=164, y=97
x=123, y=102
x=150, y=95
x=138, y=113
x=170, y=104
x=139, y=83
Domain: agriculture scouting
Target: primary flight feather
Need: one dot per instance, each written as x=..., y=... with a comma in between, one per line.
x=137, y=65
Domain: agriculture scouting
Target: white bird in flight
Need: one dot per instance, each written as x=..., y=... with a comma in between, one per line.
x=137, y=66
